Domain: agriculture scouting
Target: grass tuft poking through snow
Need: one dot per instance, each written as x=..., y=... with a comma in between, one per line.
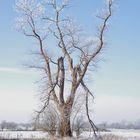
x=39, y=135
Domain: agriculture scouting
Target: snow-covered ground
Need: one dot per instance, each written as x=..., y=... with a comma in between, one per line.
x=126, y=133
x=39, y=135
x=131, y=133
x=22, y=134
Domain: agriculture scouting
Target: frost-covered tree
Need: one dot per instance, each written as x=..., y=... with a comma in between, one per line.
x=65, y=54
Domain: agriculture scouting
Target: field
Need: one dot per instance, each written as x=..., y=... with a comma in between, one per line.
x=115, y=134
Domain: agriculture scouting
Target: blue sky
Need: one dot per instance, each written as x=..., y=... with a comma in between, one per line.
x=116, y=81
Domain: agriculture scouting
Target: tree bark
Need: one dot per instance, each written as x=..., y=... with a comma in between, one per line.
x=65, y=125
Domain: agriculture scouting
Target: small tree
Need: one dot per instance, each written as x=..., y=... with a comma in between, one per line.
x=74, y=55
x=79, y=125
x=49, y=121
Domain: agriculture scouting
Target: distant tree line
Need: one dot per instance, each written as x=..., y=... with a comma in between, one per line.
x=13, y=126
x=120, y=125
x=79, y=125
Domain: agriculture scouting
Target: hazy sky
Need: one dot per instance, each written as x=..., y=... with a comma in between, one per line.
x=116, y=82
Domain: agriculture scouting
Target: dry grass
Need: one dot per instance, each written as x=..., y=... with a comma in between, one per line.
x=113, y=137
x=104, y=137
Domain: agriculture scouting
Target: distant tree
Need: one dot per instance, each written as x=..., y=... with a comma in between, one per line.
x=3, y=125
x=8, y=125
x=25, y=126
x=12, y=125
x=103, y=125
x=74, y=54
x=137, y=124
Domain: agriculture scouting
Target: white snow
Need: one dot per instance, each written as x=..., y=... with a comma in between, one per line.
x=22, y=134
x=126, y=133
x=39, y=134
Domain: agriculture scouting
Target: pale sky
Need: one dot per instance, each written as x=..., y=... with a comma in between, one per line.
x=116, y=82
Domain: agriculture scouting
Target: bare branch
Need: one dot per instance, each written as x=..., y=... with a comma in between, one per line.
x=62, y=42
x=93, y=126
x=101, y=43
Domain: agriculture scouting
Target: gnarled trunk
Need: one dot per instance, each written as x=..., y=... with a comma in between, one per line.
x=65, y=126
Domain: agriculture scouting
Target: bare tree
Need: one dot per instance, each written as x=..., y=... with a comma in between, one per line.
x=66, y=56
x=49, y=121
x=79, y=125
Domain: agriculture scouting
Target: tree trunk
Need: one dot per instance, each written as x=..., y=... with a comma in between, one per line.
x=65, y=125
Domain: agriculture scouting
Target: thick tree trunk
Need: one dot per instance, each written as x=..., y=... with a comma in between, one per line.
x=65, y=126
